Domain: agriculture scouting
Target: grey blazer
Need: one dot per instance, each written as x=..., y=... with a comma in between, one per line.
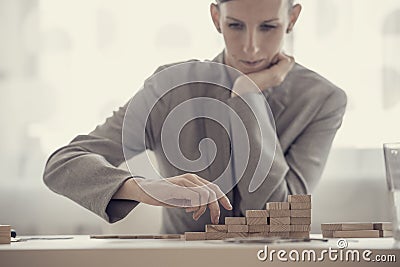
x=307, y=109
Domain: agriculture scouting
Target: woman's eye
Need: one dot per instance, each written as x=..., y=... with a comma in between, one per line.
x=267, y=27
x=236, y=26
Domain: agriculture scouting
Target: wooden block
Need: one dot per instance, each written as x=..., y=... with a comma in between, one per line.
x=278, y=206
x=279, y=234
x=299, y=198
x=299, y=234
x=235, y=220
x=279, y=228
x=385, y=233
x=300, y=213
x=236, y=235
x=238, y=228
x=300, y=228
x=387, y=226
x=356, y=234
x=256, y=220
x=5, y=234
x=216, y=228
x=300, y=220
x=257, y=213
x=259, y=234
x=258, y=228
x=300, y=206
x=215, y=235
x=279, y=213
x=347, y=226
x=193, y=236
x=279, y=220
x=327, y=233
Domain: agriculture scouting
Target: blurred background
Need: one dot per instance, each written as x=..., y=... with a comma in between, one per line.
x=65, y=65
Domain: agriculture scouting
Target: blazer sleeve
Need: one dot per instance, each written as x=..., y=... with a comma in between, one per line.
x=86, y=170
x=299, y=169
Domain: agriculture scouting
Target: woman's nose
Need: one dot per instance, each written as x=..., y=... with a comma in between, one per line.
x=251, y=45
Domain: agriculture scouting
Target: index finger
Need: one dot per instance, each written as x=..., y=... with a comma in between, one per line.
x=221, y=197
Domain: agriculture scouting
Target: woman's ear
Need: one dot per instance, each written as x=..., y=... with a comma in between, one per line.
x=293, y=16
x=214, y=10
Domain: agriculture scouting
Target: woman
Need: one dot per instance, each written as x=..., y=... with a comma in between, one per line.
x=307, y=109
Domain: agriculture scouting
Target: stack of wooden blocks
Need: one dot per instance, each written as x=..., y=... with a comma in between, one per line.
x=356, y=230
x=290, y=219
x=5, y=234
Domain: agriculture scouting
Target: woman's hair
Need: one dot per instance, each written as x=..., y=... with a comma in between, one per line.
x=290, y=2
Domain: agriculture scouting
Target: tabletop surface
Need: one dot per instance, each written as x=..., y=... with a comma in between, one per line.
x=78, y=242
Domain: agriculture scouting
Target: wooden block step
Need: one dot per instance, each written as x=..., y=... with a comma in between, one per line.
x=277, y=206
x=260, y=234
x=5, y=234
x=238, y=228
x=300, y=206
x=279, y=234
x=256, y=220
x=347, y=226
x=257, y=213
x=279, y=213
x=215, y=235
x=193, y=236
x=299, y=198
x=356, y=234
x=235, y=235
x=279, y=220
x=299, y=234
x=387, y=226
x=258, y=228
x=279, y=228
x=300, y=228
x=212, y=228
x=327, y=233
x=300, y=213
x=235, y=220
x=300, y=220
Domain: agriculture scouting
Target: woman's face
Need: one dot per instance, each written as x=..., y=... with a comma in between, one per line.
x=253, y=31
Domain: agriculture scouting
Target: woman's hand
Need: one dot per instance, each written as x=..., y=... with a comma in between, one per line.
x=264, y=79
x=187, y=191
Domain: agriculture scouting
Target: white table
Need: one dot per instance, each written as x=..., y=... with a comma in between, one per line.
x=83, y=251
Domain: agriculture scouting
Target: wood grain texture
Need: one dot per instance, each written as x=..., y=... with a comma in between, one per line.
x=327, y=233
x=235, y=235
x=347, y=226
x=279, y=213
x=258, y=228
x=257, y=213
x=279, y=234
x=356, y=234
x=256, y=220
x=215, y=235
x=300, y=205
x=235, y=220
x=300, y=220
x=279, y=228
x=300, y=228
x=299, y=234
x=299, y=198
x=216, y=228
x=279, y=220
x=300, y=213
x=193, y=236
x=238, y=228
x=277, y=206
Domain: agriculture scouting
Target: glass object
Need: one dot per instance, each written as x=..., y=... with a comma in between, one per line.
x=392, y=165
